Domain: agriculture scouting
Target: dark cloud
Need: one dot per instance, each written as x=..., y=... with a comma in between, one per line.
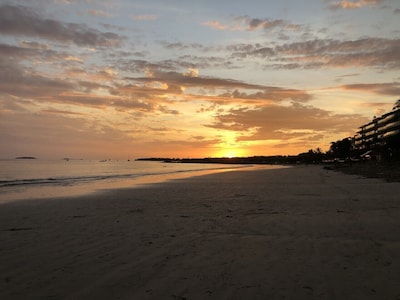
x=262, y=52
x=191, y=81
x=243, y=48
x=380, y=53
x=140, y=65
x=349, y=75
x=23, y=21
x=184, y=46
x=251, y=24
x=30, y=51
x=17, y=81
x=139, y=91
x=62, y=112
x=365, y=52
x=11, y=51
x=388, y=89
x=273, y=94
x=182, y=62
x=265, y=24
x=176, y=81
x=203, y=62
x=164, y=109
x=123, y=104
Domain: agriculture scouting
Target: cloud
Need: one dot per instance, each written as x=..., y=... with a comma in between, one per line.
x=345, y=4
x=18, y=53
x=387, y=89
x=203, y=62
x=184, y=46
x=322, y=53
x=265, y=24
x=62, y=112
x=23, y=21
x=143, y=17
x=272, y=122
x=191, y=146
x=255, y=24
x=272, y=94
x=16, y=81
x=216, y=25
x=81, y=88
x=335, y=53
x=73, y=58
x=193, y=81
x=99, y=13
x=60, y=134
x=176, y=82
x=379, y=53
x=21, y=83
x=242, y=23
x=34, y=45
x=32, y=51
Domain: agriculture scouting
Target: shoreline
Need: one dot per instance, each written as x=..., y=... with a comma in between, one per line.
x=299, y=232
x=32, y=192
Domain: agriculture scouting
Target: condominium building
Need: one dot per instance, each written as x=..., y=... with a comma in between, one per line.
x=381, y=131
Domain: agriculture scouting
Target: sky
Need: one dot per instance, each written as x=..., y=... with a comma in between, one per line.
x=119, y=79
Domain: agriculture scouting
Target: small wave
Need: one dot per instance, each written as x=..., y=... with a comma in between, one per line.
x=70, y=181
x=61, y=181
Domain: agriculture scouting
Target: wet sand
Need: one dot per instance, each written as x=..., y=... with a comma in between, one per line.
x=296, y=233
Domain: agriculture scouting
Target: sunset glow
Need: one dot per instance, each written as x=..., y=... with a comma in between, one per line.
x=116, y=79
x=230, y=153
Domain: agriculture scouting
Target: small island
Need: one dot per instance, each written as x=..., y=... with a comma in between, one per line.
x=25, y=157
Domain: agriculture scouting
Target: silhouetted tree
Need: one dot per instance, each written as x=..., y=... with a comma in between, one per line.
x=312, y=156
x=341, y=148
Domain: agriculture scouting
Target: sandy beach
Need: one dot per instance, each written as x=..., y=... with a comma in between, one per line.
x=294, y=233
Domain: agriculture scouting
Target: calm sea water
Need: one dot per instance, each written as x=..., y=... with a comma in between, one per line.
x=25, y=179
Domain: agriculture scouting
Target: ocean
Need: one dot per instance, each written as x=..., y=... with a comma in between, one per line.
x=34, y=178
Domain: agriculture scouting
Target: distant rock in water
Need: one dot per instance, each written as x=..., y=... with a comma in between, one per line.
x=25, y=157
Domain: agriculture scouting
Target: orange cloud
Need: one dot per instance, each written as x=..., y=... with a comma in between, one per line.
x=143, y=17
x=284, y=122
x=345, y=4
x=99, y=13
x=391, y=89
x=216, y=25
